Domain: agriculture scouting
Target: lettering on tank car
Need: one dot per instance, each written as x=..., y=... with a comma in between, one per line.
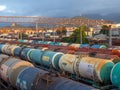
x=90, y=70
x=4, y=69
x=23, y=84
x=86, y=70
x=70, y=61
x=45, y=58
x=18, y=80
x=90, y=66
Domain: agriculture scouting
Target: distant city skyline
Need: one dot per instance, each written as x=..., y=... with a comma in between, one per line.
x=57, y=8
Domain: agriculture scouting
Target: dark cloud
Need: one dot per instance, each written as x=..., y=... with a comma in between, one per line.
x=59, y=8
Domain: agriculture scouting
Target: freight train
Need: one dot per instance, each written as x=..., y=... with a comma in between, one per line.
x=88, y=69
x=64, y=47
x=58, y=43
x=22, y=75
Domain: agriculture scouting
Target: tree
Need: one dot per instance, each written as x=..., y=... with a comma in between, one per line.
x=23, y=36
x=61, y=31
x=76, y=36
x=105, y=30
x=58, y=32
x=64, y=31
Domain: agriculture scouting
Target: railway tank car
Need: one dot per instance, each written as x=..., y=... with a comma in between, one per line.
x=46, y=58
x=10, y=68
x=24, y=76
x=87, y=67
x=95, y=69
x=115, y=75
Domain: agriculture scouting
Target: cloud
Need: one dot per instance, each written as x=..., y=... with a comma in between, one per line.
x=58, y=8
x=3, y=7
x=10, y=11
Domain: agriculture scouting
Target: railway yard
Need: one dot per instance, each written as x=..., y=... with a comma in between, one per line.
x=40, y=62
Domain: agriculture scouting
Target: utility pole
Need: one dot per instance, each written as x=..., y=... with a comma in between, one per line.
x=43, y=34
x=36, y=28
x=54, y=34
x=20, y=34
x=80, y=35
x=21, y=31
x=110, y=36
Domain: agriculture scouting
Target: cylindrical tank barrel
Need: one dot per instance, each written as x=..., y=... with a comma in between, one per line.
x=95, y=69
x=95, y=46
x=4, y=48
x=25, y=41
x=75, y=45
x=60, y=83
x=67, y=63
x=57, y=43
x=51, y=58
x=27, y=79
x=3, y=57
x=11, y=68
x=9, y=50
x=52, y=43
x=84, y=45
x=17, y=51
x=24, y=53
x=12, y=50
x=30, y=41
x=103, y=46
x=34, y=55
x=67, y=84
x=39, y=81
x=64, y=44
x=1, y=46
x=115, y=75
